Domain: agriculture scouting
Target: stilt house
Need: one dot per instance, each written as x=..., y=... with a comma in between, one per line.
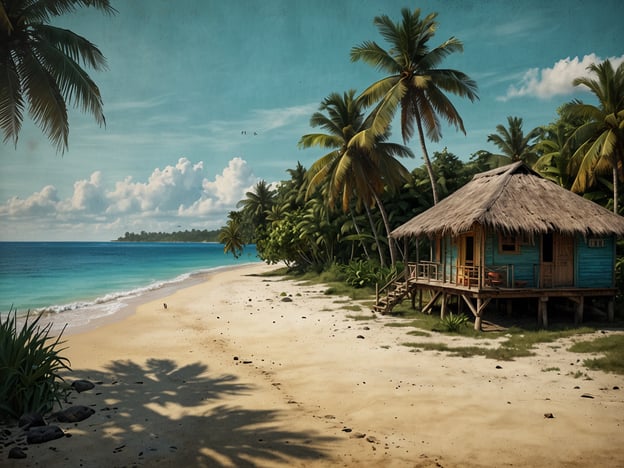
x=511, y=234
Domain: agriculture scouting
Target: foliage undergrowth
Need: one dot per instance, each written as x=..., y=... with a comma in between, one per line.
x=30, y=363
x=612, y=347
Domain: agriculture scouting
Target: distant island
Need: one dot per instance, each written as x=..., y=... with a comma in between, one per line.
x=179, y=236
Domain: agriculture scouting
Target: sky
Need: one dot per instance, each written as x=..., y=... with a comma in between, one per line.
x=204, y=98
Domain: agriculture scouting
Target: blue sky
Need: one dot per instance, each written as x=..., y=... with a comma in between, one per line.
x=203, y=98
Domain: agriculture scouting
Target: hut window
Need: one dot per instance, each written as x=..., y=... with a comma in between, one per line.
x=508, y=244
x=595, y=243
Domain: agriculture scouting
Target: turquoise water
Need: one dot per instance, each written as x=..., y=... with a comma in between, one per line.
x=64, y=277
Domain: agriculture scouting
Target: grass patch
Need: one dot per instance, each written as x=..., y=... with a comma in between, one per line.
x=612, y=348
x=361, y=317
x=551, y=369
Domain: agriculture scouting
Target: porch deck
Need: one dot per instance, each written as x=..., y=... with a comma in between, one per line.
x=477, y=286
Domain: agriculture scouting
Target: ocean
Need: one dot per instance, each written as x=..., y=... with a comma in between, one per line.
x=86, y=280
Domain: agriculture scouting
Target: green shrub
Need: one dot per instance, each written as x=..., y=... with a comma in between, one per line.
x=29, y=367
x=367, y=273
x=453, y=323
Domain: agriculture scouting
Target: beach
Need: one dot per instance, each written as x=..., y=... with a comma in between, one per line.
x=243, y=369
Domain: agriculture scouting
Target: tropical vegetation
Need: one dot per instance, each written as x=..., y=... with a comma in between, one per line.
x=41, y=68
x=340, y=210
x=30, y=367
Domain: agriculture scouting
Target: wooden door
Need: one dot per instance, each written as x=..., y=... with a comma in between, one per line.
x=563, y=272
x=557, y=261
x=468, y=260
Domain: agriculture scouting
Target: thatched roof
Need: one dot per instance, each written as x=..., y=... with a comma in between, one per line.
x=513, y=199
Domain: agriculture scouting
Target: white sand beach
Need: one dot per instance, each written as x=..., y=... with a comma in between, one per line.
x=231, y=375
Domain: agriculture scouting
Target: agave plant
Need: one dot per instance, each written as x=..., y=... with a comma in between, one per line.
x=454, y=323
x=30, y=366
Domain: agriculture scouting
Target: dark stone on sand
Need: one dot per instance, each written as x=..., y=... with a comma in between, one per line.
x=28, y=420
x=587, y=395
x=39, y=435
x=82, y=385
x=286, y=299
x=499, y=367
x=361, y=337
x=74, y=414
x=549, y=415
x=615, y=387
x=17, y=452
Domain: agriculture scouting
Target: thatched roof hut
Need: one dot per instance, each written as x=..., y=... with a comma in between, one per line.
x=516, y=200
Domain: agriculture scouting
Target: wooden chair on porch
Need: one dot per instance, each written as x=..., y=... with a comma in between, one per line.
x=494, y=279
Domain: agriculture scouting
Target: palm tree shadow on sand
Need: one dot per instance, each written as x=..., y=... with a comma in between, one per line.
x=129, y=426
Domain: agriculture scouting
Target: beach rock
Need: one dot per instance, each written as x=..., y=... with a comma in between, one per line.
x=82, y=385
x=28, y=420
x=39, y=435
x=17, y=453
x=74, y=414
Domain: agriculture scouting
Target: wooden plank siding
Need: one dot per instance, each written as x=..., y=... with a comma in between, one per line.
x=521, y=266
x=595, y=262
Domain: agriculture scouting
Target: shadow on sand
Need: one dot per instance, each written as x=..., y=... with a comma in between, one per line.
x=203, y=425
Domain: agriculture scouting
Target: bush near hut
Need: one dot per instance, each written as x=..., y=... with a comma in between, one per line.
x=367, y=273
x=30, y=363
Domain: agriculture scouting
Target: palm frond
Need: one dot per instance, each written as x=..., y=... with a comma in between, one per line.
x=73, y=82
x=321, y=140
x=45, y=102
x=11, y=102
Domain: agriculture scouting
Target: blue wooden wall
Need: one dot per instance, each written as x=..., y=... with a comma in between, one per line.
x=594, y=266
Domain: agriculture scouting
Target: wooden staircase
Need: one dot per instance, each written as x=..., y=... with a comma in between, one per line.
x=392, y=294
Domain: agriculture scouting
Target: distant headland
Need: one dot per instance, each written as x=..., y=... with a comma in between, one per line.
x=178, y=236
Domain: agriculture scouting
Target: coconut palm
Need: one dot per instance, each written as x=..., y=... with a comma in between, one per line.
x=41, y=68
x=231, y=236
x=257, y=204
x=601, y=138
x=415, y=83
x=353, y=170
x=513, y=143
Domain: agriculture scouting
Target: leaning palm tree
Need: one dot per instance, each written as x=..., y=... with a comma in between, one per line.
x=513, y=143
x=601, y=138
x=415, y=83
x=353, y=170
x=41, y=68
x=231, y=236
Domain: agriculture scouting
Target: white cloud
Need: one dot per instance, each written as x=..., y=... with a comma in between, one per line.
x=549, y=82
x=37, y=204
x=176, y=194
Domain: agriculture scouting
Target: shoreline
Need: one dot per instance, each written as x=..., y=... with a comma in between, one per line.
x=249, y=370
x=89, y=317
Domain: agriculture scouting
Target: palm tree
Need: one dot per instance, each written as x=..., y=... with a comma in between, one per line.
x=41, y=64
x=231, y=236
x=601, y=138
x=414, y=82
x=513, y=143
x=257, y=204
x=353, y=169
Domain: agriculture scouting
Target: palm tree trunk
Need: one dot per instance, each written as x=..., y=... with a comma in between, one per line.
x=615, y=189
x=382, y=260
x=423, y=147
x=357, y=229
x=386, y=222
